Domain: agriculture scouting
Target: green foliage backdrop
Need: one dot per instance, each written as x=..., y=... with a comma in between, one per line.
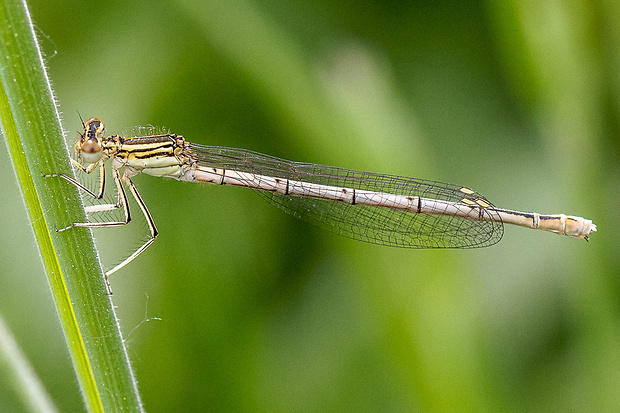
x=239, y=307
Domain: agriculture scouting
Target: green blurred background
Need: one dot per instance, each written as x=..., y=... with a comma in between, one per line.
x=519, y=100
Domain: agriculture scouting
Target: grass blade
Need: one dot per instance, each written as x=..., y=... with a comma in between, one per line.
x=33, y=133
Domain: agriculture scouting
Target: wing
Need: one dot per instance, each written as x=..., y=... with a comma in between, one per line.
x=374, y=224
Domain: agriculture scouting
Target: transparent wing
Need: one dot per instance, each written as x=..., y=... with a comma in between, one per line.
x=377, y=225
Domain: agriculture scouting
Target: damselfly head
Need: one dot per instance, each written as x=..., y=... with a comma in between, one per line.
x=89, y=147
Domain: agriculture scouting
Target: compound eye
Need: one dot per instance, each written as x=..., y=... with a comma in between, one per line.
x=94, y=128
x=90, y=146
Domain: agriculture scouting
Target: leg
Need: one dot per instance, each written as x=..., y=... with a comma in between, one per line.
x=122, y=200
x=88, y=170
x=99, y=195
x=149, y=221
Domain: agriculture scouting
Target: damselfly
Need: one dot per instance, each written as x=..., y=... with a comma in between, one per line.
x=376, y=208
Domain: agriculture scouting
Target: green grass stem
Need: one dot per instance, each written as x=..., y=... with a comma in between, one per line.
x=33, y=133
